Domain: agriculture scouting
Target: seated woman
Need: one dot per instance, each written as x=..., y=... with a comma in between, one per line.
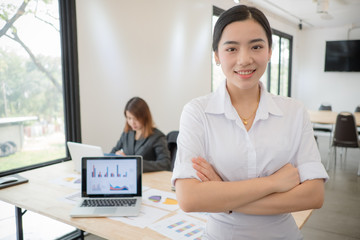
x=140, y=137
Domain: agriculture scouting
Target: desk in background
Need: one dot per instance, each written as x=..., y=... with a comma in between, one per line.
x=42, y=196
x=328, y=117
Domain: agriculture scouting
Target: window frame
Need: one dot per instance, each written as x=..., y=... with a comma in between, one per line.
x=290, y=38
x=217, y=11
x=70, y=79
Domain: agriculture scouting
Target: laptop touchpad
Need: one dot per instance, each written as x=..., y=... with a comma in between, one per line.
x=105, y=211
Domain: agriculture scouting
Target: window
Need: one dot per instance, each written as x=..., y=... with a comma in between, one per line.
x=39, y=107
x=277, y=77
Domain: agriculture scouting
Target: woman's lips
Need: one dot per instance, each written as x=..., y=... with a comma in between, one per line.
x=245, y=73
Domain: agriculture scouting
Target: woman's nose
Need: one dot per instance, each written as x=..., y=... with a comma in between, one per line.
x=244, y=57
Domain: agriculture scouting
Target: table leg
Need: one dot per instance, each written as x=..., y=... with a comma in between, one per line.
x=77, y=234
x=19, y=226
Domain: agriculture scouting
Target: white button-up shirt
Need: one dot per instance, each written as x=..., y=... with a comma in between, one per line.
x=281, y=133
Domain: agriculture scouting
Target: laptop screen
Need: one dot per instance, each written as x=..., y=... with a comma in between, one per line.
x=114, y=176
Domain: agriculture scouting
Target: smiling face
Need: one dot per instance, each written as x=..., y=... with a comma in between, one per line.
x=243, y=53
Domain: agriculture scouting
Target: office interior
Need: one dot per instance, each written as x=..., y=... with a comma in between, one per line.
x=160, y=50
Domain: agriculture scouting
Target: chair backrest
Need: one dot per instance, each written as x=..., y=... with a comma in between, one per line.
x=172, y=145
x=345, y=134
x=357, y=109
x=325, y=107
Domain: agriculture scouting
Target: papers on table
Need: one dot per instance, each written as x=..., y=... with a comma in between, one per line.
x=156, y=206
x=180, y=226
x=147, y=216
x=71, y=180
x=73, y=198
x=160, y=199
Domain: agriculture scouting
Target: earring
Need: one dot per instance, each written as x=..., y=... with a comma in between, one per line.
x=217, y=64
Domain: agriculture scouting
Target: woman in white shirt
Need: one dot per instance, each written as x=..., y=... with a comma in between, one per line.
x=247, y=157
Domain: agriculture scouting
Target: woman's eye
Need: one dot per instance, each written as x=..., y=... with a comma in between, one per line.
x=230, y=49
x=257, y=47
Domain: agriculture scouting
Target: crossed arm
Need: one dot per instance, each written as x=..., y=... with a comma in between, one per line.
x=278, y=193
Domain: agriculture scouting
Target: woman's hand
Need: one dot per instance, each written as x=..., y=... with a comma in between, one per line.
x=204, y=170
x=120, y=152
x=286, y=178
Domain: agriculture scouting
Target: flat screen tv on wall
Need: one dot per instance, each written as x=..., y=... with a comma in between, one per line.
x=342, y=56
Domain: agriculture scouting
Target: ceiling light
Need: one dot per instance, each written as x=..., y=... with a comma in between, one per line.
x=322, y=6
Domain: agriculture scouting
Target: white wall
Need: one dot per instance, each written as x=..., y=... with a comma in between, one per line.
x=159, y=50
x=314, y=86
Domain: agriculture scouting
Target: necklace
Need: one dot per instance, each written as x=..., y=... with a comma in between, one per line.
x=245, y=120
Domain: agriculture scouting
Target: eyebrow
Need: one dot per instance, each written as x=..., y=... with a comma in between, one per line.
x=251, y=41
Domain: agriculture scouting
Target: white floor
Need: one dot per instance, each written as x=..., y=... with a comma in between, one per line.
x=35, y=226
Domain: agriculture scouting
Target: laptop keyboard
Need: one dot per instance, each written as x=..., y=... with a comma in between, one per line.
x=109, y=203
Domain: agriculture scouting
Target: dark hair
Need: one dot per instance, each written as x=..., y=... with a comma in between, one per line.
x=240, y=13
x=139, y=108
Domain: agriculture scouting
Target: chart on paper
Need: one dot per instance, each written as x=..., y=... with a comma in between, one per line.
x=180, y=227
x=160, y=199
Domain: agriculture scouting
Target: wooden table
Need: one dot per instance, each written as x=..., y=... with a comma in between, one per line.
x=42, y=196
x=328, y=117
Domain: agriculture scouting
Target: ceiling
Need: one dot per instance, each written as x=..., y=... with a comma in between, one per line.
x=329, y=13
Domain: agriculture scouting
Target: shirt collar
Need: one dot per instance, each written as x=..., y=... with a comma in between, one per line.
x=220, y=103
x=267, y=104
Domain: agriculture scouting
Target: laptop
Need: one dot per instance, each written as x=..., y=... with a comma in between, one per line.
x=80, y=150
x=111, y=186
